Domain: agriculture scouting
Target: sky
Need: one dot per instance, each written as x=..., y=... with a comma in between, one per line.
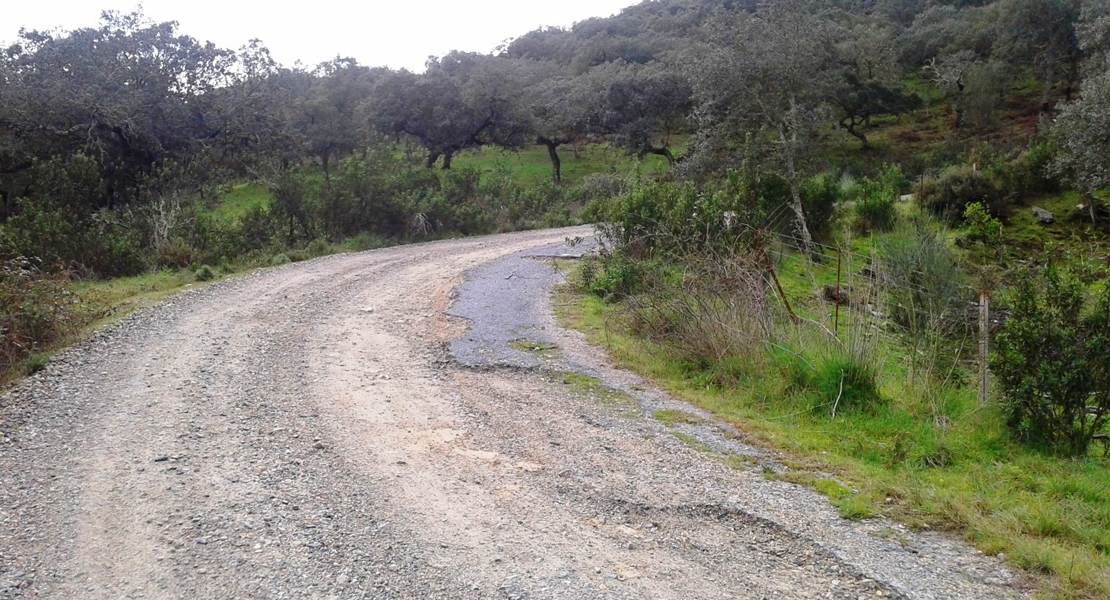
x=394, y=33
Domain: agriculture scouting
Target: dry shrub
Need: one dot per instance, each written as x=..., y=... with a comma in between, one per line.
x=715, y=308
x=36, y=309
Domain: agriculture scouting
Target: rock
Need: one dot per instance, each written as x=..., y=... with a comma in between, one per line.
x=161, y=458
x=1043, y=216
x=834, y=294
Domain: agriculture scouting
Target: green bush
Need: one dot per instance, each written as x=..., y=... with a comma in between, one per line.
x=948, y=195
x=876, y=200
x=845, y=384
x=1052, y=363
x=280, y=259
x=618, y=277
x=980, y=226
x=36, y=363
x=820, y=196
x=1031, y=173
x=924, y=276
x=205, y=273
x=319, y=247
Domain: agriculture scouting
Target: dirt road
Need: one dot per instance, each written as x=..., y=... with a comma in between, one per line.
x=306, y=432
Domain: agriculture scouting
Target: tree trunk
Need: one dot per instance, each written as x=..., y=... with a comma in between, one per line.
x=447, y=161
x=556, y=164
x=796, y=192
x=800, y=217
x=432, y=158
x=325, y=159
x=1049, y=81
x=850, y=126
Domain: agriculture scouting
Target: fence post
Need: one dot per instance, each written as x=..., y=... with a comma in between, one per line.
x=775, y=278
x=836, y=314
x=984, y=345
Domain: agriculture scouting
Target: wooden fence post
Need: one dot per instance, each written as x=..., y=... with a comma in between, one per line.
x=984, y=345
x=836, y=317
x=775, y=278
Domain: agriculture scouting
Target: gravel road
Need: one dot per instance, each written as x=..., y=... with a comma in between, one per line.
x=335, y=429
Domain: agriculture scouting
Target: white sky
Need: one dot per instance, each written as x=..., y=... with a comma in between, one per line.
x=394, y=33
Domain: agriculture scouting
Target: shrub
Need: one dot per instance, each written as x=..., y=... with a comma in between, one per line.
x=205, y=273
x=820, y=195
x=36, y=310
x=280, y=259
x=175, y=253
x=876, y=200
x=1052, y=365
x=1031, y=172
x=618, y=277
x=980, y=226
x=926, y=296
x=948, y=195
x=319, y=247
x=713, y=310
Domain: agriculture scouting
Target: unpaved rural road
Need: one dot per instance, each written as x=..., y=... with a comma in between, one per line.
x=307, y=432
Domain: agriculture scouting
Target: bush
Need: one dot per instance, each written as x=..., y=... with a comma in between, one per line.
x=280, y=259
x=1051, y=362
x=319, y=247
x=876, y=200
x=174, y=254
x=714, y=310
x=980, y=226
x=619, y=277
x=948, y=195
x=205, y=273
x=36, y=310
x=845, y=384
x=820, y=195
x=1030, y=173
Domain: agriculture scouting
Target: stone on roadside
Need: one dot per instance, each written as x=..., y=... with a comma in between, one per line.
x=1043, y=216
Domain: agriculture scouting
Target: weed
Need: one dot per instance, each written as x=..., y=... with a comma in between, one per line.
x=671, y=418
x=36, y=363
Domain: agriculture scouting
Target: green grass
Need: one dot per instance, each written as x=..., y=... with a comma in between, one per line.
x=671, y=418
x=532, y=165
x=116, y=298
x=1048, y=515
x=36, y=363
x=239, y=199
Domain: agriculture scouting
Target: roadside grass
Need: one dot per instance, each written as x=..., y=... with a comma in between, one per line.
x=941, y=464
x=671, y=418
x=532, y=165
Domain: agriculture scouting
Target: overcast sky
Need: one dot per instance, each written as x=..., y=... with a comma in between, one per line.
x=395, y=33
